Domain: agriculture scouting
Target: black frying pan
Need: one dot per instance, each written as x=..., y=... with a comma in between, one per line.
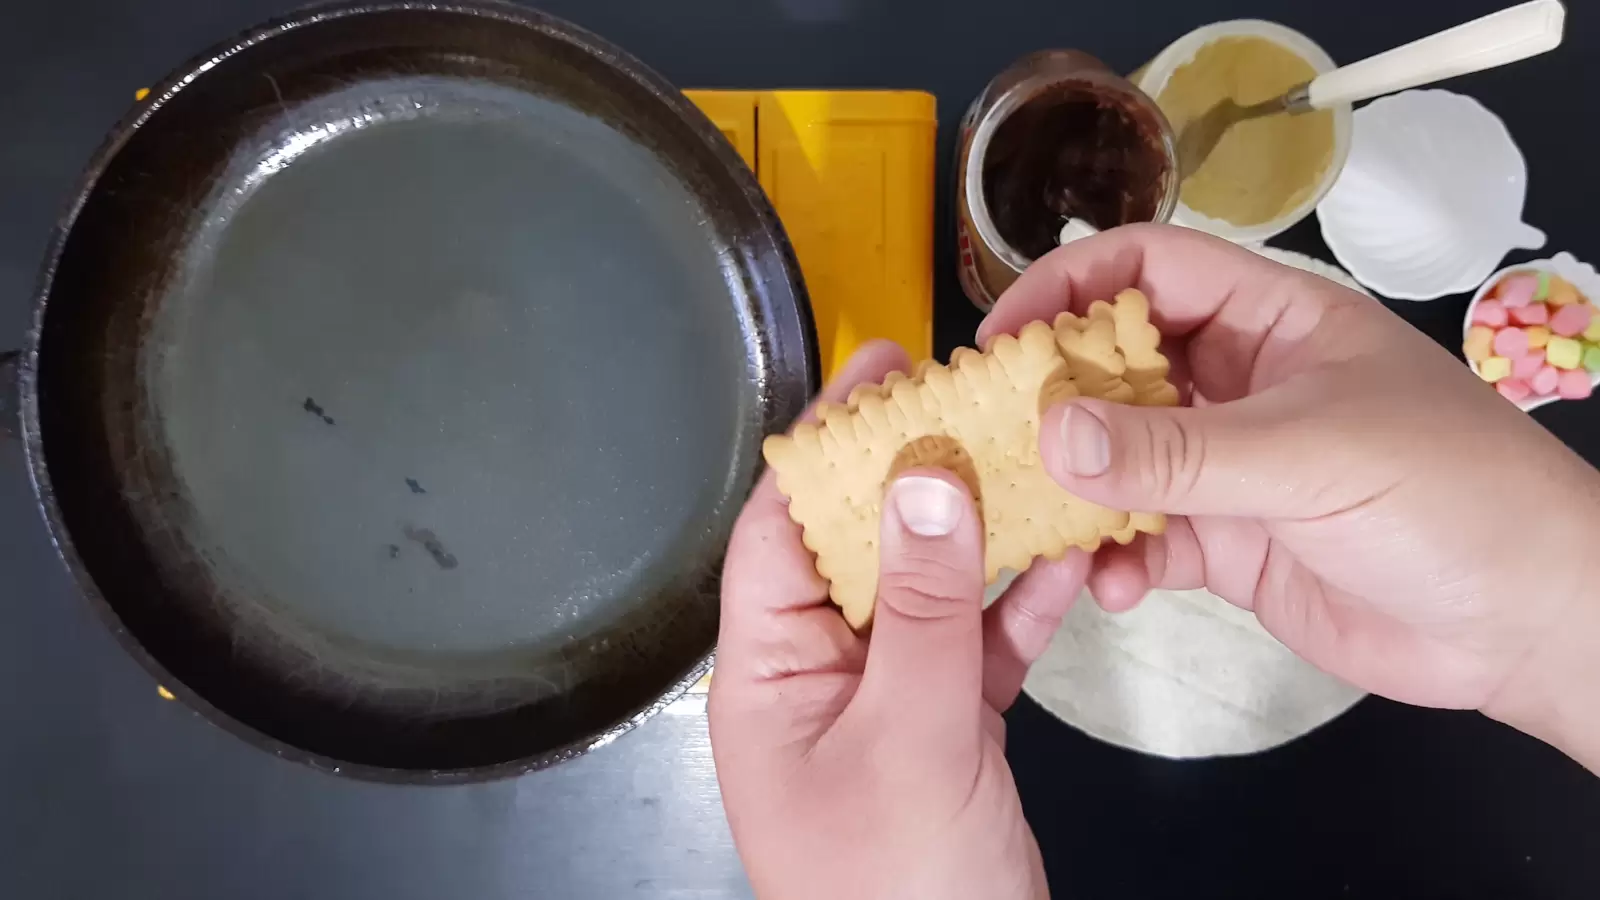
x=395, y=378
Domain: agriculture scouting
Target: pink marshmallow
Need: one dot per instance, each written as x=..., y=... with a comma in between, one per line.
x=1513, y=389
x=1571, y=320
x=1517, y=290
x=1575, y=385
x=1512, y=343
x=1490, y=313
x=1532, y=314
x=1546, y=382
x=1528, y=366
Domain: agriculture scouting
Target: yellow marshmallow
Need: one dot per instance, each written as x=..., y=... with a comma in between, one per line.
x=1564, y=353
x=1494, y=368
x=1592, y=333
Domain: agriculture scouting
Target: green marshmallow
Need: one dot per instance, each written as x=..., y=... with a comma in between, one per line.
x=1591, y=358
x=1543, y=293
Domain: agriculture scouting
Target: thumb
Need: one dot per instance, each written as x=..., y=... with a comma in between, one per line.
x=1234, y=459
x=924, y=667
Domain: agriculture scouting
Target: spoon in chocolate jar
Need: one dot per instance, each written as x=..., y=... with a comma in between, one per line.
x=1497, y=39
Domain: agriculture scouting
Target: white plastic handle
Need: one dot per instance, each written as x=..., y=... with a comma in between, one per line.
x=1076, y=229
x=1494, y=40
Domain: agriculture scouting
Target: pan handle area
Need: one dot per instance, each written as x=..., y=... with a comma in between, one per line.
x=10, y=408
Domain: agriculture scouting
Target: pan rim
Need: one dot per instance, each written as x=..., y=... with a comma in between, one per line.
x=33, y=438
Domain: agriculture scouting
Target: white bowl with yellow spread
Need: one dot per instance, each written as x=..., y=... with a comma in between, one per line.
x=1264, y=175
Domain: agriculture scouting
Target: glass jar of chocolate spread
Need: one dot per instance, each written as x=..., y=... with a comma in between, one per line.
x=1056, y=136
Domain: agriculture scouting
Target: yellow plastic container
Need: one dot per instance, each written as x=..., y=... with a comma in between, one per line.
x=851, y=176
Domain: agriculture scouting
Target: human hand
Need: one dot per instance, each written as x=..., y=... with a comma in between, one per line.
x=1385, y=516
x=874, y=767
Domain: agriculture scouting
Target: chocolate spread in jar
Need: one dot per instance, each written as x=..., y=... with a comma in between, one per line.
x=1075, y=150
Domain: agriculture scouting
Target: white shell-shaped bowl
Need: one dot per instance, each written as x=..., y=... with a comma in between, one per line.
x=1430, y=199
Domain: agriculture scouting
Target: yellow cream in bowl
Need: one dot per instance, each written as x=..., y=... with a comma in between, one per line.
x=1263, y=169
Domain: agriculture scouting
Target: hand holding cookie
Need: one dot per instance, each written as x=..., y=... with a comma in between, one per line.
x=1329, y=476
x=873, y=765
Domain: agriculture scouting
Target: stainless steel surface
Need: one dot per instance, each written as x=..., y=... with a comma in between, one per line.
x=1298, y=99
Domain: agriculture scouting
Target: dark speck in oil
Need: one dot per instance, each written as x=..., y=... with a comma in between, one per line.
x=415, y=488
x=311, y=406
x=431, y=543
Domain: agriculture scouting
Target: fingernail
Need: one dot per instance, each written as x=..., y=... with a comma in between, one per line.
x=1086, y=442
x=926, y=506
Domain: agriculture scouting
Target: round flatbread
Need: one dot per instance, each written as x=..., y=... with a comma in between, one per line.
x=1185, y=675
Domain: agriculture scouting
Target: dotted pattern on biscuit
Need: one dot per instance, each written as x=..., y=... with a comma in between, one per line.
x=979, y=417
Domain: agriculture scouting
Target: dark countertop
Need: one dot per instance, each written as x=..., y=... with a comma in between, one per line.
x=110, y=791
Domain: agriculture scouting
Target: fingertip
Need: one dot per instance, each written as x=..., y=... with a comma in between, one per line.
x=1076, y=564
x=927, y=502
x=885, y=351
x=935, y=473
x=931, y=544
x=987, y=330
x=870, y=364
x=879, y=357
x=1119, y=581
x=1075, y=442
